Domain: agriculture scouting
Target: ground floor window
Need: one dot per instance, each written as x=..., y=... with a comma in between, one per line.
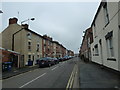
x=37, y=56
x=110, y=50
x=109, y=44
x=96, y=50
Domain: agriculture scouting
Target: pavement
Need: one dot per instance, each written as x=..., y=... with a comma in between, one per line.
x=93, y=76
x=17, y=71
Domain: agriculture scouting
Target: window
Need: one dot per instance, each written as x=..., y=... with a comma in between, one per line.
x=109, y=41
x=33, y=58
x=29, y=35
x=89, y=42
x=48, y=49
x=37, y=56
x=48, y=43
x=96, y=50
x=94, y=26
x=38, y=46
x=44, y=41
x=44, y=49
x=29, y=57
x=29, y=45
x=106, y=16
x=110, y=50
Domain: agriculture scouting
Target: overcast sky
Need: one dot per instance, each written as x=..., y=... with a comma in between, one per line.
x=63, y=21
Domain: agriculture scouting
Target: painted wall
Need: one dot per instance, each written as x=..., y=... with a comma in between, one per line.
x=21, y=45
x=7, y=42
x=119, y=36
x=101, y=31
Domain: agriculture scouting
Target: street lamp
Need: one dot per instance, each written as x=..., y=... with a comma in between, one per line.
x=27, y=20
x=1, y=11
x=18, y=32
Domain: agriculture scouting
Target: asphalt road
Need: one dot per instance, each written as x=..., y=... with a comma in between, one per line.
x=56, y=76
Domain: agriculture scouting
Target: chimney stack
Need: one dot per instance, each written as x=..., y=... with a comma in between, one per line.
x=13, y=21
x=25, y=26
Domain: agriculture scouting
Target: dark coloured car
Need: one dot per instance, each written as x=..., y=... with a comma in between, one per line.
x=46, y=61
x=52, y=61
x=60, y=59
x=56, y=60
x=65, y=58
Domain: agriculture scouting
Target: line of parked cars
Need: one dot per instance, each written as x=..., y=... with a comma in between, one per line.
x=48, y=61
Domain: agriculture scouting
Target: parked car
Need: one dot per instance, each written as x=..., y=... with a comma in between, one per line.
x=56, y=60
x=37, y=61
x=65, y=58
x=52, y=61
x=46, y=61
x=60, y=59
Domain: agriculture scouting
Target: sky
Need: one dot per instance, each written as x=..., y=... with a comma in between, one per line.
x=63, y=21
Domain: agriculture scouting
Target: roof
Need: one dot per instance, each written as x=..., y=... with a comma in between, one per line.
x=101, y=4
x=9, y=50
x=56, y=42
x=34, y=32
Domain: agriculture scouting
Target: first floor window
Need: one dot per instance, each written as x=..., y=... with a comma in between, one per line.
x=106, y=16
x=29, y=57
x=29, y=45
x=38, y=46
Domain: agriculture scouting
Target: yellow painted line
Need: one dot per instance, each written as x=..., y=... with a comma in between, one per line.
x=70, y=81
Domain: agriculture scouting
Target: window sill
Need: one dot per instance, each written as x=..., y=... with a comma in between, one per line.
x=111, y=59
x=95, y=54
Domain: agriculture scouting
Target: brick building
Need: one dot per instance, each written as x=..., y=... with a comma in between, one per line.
x=10, y=56
x=70, y=53
x=47, y=46
x=85, y=50
x=63, y=50
x=59, y=50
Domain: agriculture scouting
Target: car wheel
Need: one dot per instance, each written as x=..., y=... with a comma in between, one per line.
x=49, y=65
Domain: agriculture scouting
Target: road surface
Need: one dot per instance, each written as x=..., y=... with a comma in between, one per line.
x=56, y=76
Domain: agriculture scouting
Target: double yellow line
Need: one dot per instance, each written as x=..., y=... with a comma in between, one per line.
x=71, y=79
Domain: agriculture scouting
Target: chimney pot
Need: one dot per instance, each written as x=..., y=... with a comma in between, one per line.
x=13, y=21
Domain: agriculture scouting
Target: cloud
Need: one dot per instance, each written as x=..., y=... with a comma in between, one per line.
x=64, y=21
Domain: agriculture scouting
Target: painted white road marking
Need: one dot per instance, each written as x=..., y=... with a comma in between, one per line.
x=54, y=68
x=32, y=80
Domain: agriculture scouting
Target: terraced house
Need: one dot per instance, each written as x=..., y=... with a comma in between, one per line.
x=56, y=49
x=85, y=49
x=47, y=47
x=29, y=44
x=21, y=39
x=106, y=35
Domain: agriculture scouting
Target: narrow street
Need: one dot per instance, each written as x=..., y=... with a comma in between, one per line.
x=56, y=76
